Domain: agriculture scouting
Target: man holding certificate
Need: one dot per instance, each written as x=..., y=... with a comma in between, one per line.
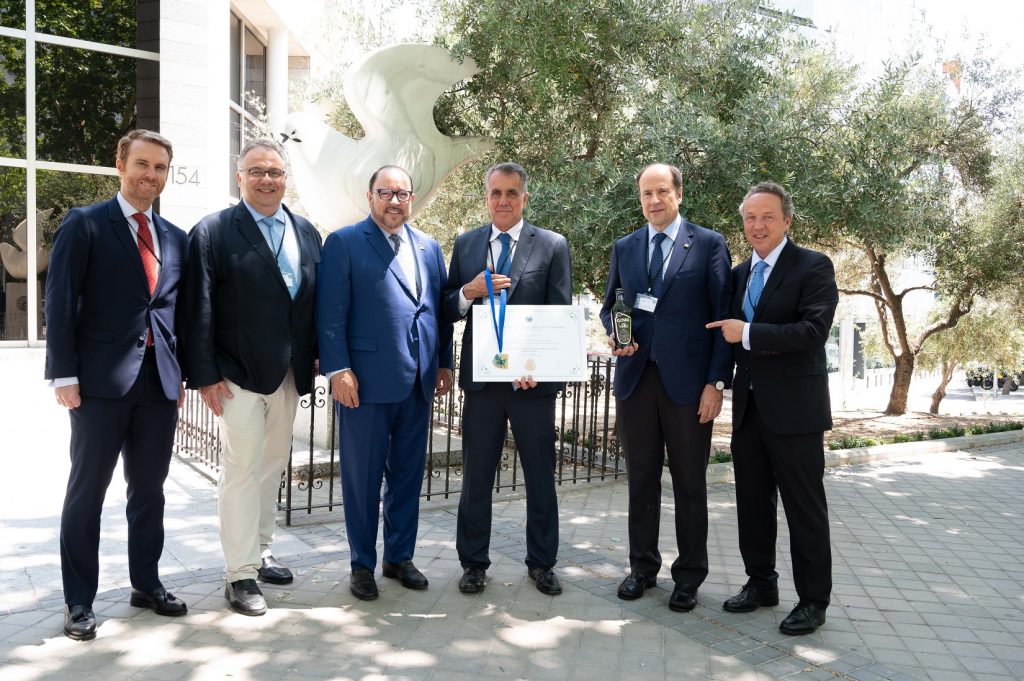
x=669, y=377
x=519, y=264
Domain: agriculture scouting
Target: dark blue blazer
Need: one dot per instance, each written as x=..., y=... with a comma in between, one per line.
x=238, y=319
x=696, y=290
x=786, y=360
x=98, y=304
x=370, y=320
x=541, y=275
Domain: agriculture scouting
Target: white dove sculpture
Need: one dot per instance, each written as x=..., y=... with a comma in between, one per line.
x=15, y=258
x=392, y=93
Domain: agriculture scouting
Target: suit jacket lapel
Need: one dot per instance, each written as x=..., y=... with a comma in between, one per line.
x=524, y=249
x=251, y=232
x=680, y=249
x=123, y=232
x=639, y=258
x=418, y=255
x=778, y=273
x=167, y=252
x=307, y=262
x=380, y=244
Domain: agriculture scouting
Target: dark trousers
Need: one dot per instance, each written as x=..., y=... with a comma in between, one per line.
x=485, y=421
x=768, y=464
x=651, y=423
x=383, y=443
x=140, y=427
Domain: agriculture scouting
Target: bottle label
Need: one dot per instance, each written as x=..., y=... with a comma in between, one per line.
x=623, y=323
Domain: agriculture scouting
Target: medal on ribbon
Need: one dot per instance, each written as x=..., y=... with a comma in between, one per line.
x=500, y=358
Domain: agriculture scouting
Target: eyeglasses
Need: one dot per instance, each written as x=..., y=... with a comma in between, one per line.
x=387, y=194
x=260, y=173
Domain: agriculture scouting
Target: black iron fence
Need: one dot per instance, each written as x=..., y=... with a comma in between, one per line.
x=587, y=446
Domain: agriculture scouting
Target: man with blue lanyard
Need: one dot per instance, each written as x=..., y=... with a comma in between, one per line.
x=531, y=266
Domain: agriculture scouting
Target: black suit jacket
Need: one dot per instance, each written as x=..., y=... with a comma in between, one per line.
x=786, y=362
x=98, y=304
x=238, y=318
x=541, y=275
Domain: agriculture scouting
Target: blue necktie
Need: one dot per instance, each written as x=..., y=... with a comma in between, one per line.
x=504, y=261
x=754, y=290
x=275, y=230
x=656, y=265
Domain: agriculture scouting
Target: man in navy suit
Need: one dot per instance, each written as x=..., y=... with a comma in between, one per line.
x=111, y=355
x=533, y=265
x=669, y=382
x=784, y=299
x=387, y=355
x=247, y=311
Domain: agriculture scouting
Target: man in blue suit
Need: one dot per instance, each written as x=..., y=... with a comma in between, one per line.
x=387, y=355
x=669, y=382
x=111, y=355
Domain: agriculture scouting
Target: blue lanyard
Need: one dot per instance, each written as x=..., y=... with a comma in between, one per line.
x=499, y=324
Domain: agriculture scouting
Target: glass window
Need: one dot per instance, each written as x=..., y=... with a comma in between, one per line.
x=235, y=135
x=12, y=14
x=255, y=72
x=235, y=60
x=12, y=98
x=111, y=22
x=13, y=255
x=58, y=192
x=85, y=102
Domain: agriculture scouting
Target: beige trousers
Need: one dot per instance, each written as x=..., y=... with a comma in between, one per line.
x=257, y=434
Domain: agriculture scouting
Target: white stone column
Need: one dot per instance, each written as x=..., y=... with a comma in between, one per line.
x=277, y=77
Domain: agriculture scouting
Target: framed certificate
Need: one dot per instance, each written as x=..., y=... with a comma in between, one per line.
x=546, y=342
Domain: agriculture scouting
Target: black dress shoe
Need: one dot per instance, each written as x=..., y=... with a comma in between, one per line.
x=683, y=599
x=79, y=622
x=405, y=572
x=473, y=580
x=362, y=585
x=547, y=581
x=159, y=601
x=633, y=586
x=273, y=572
x=805, y=619
x=245, y=597
x=750, y=598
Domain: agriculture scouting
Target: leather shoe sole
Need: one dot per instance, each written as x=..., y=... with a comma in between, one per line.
x=363, y=586
x=406, y=573
x=804, y=619
x=473, y=581
x=273, y=572
x=750, y=599
x=633, y=586
x=249, y=603
x=84, y=629
x=162, y=603
x=547, y=581
x=682, y=600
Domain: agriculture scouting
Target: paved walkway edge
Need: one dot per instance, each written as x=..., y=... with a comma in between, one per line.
x=722, y=472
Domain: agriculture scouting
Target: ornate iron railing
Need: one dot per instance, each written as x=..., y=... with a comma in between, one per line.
x=587, y=446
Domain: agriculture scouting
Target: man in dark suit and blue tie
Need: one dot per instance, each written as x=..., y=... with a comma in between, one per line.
x=784, y=299
x=111, y=354
x=247, y=311
x=387, y=355
x=532, y=264
x=669, y=382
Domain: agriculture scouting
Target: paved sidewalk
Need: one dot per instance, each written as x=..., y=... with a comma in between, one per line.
x=929, y=585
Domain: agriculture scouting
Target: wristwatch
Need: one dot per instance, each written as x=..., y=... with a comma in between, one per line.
x=719, y=385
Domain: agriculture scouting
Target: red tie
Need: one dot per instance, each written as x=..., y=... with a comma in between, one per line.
x=149, y=263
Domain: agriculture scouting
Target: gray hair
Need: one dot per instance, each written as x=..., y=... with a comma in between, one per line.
x=261, y=143
x=769, y=187
x=508, y=168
